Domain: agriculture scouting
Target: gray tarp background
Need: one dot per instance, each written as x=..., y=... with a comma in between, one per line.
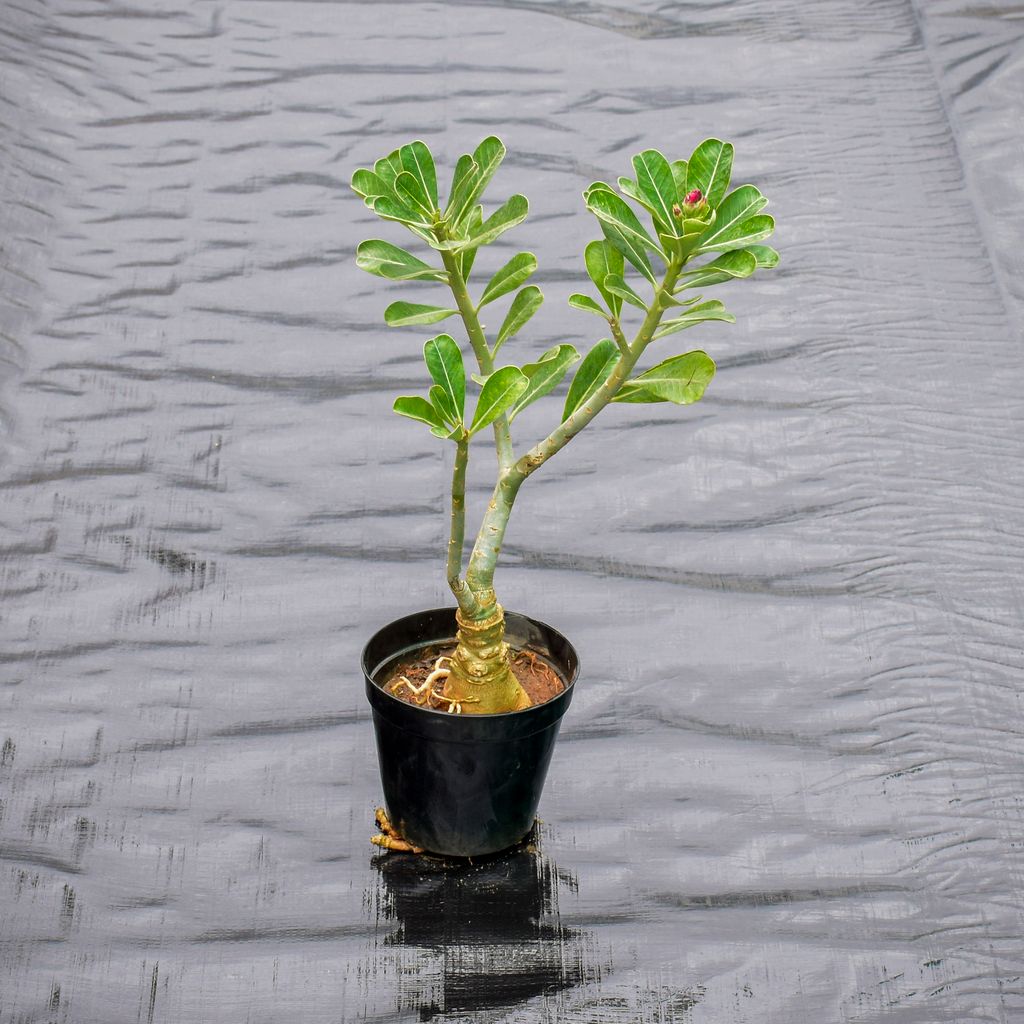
x=790, y=786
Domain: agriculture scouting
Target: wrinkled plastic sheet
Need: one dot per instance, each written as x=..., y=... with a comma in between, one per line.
x=789, y=787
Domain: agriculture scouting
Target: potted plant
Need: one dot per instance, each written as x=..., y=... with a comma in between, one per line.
x=463, y=745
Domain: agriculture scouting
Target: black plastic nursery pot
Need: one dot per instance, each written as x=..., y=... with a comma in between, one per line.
x=463, y=785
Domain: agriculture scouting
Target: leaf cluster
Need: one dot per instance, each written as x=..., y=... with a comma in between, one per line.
x=690, y=213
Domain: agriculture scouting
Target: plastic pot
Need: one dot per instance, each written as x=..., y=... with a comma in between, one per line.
x=463, y=785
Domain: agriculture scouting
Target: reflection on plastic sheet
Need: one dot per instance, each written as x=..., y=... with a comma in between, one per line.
x=487, y=935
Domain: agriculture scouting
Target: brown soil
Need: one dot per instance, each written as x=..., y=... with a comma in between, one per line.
x=540, y=681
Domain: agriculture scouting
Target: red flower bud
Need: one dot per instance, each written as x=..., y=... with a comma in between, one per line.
x=694, y=197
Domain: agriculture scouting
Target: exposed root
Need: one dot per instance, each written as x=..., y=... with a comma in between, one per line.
x=416, y=691
x=454, y=706
x=428, y=691
x=390, y=838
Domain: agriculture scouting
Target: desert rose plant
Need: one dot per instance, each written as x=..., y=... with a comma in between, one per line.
x=699, y=235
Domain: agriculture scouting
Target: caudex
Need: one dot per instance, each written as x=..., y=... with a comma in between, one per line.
x=692, y=215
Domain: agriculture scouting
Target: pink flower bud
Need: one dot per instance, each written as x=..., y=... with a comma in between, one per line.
x=694, y=197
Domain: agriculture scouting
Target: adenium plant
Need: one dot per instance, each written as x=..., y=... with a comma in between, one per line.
x=699, y=235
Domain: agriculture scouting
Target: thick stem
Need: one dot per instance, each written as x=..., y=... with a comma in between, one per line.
x=477, y=338
x=481, y=679
x=457, y=536
x=482, y=562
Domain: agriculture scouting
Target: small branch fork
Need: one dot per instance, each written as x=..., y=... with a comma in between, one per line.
x=484, y=557
x=512, y=471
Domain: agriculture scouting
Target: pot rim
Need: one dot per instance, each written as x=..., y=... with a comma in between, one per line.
x=368, y=673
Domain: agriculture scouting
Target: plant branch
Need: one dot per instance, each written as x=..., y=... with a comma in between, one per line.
x=484, y=558
x=565, y=432
x=618, y=335
x=484, y=358
x=482, y=562
x=457, y=536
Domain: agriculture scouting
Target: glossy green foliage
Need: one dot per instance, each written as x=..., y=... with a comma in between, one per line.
x=711, y=310
x=524, y=305
x=444, y=363
x=604, y=260
x=500, y=392
x=508, y=215
x=691, y=213
x=417, y=408
x=544, y=376
x=386, y=260
x=680, y=379
x=403, y=314
x=595, y=369
x=444, y=409
x=674, y=225
x=657, y=188
x=709, y=169
x=509, y=277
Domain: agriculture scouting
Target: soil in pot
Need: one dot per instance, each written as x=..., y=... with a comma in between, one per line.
x=420, y=680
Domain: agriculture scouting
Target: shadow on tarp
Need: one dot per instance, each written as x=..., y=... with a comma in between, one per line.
x=493, y=925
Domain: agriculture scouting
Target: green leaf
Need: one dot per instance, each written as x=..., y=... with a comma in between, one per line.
x=597, y=186
x=369, y=185
x=402, y=314
x=654, y=179
x=711, y=310
x=740, y=263
x=765, y=255
x=411, y=193
x=629, y=187
x=509, y=278
x=388, y=168
x=442, y=402
x=679, y=379
x=460, y=198
x=587, y=304
x=679, y=178
x=602, y=259
x=544, y=376
x=418, y=162
x=392, y=209
x=417, y=408
x=502, y=389
x=612, y=210
x=524, y=305
x=512, y=212
x=376, y=256
x=592, y=373
x=630, y=249
x=670, y=300
x=753, y=229
x=709, y=170
x=618, y=287
x=738, y=206
x=636, y=255
x=487, y=156
x=466, y=257
x=444, y=361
